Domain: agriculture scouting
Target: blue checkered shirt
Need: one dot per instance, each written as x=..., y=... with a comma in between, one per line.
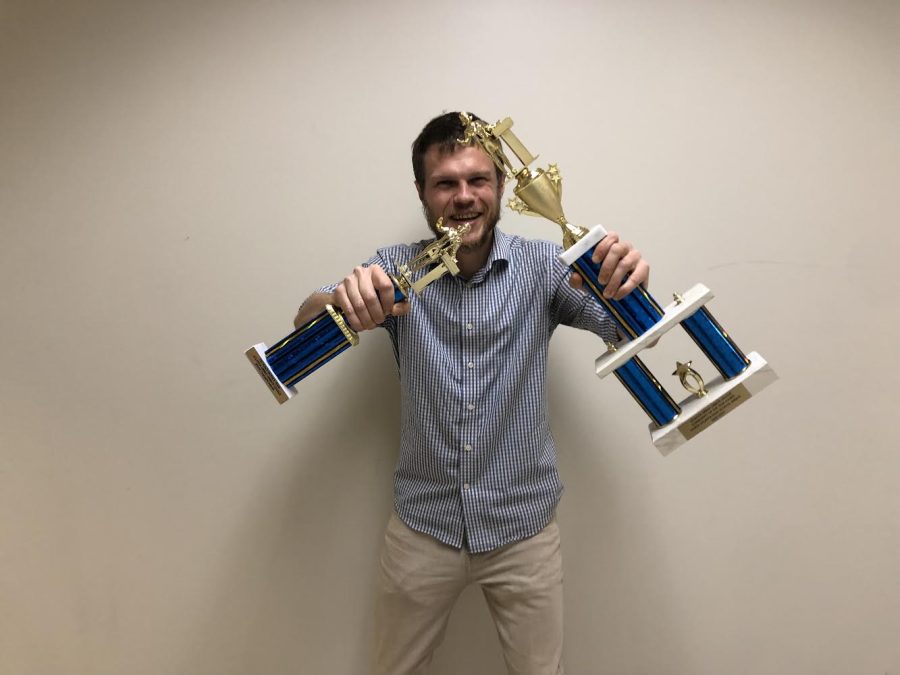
x=477, y=461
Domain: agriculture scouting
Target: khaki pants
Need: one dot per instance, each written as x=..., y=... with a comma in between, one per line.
x=421, y=579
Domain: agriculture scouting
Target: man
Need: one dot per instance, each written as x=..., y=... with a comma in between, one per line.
x=476, y=484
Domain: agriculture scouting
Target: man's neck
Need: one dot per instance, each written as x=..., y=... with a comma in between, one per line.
x=470, y=261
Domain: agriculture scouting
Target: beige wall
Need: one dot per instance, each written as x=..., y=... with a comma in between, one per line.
x=174, y=179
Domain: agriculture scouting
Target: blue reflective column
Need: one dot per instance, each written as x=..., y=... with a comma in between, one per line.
x=638, y=312
x=309, y=348
x=649, y=393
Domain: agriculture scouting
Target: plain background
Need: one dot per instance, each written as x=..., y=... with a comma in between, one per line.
x=175, y=177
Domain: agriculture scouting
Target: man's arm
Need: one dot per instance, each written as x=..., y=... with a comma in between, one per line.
x=312, y=307
x=365, y=296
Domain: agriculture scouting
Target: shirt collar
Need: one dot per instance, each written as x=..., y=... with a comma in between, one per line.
x=502, y=248
x=501, y=252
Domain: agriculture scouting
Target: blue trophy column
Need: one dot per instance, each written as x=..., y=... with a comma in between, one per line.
x=645, y=389
x=718, y=346
x=638, y=312
x=314, y=344
x=635, y=314
x=310, y=347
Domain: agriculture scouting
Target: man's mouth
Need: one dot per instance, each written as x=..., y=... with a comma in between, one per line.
x=462, y=218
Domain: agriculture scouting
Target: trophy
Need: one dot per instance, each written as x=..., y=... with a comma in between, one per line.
x=640, y=319
x=327, y=335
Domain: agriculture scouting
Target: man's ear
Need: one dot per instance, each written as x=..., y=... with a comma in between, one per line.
x=419, y=190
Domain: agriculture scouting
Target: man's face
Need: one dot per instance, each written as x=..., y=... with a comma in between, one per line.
x=462, y=186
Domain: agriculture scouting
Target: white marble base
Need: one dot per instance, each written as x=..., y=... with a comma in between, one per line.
x=723, y=397
x=696, y=413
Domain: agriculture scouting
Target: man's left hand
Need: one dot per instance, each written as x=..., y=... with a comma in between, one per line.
x=620, y=259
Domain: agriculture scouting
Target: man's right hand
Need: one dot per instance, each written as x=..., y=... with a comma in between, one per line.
x=366, y=296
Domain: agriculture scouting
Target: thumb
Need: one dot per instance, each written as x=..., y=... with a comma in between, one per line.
x=400, y=308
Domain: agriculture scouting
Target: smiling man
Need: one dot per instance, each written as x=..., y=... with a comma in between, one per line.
x=462, y=185
x=476, y=484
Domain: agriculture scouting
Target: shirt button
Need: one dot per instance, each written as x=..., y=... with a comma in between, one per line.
x=465, y=486
x=470, y=406
x=467, y=447
x=469, y=326
x=470, y=364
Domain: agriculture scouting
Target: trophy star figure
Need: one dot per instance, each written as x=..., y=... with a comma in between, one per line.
x=684, y=371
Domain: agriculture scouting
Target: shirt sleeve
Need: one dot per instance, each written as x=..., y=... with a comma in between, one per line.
x=578, y=308
x=376, y=259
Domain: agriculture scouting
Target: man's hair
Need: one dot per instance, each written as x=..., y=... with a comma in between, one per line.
x=445, y=131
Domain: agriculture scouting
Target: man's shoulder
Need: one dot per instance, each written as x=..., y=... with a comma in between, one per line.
x=533, y=250
x=395, y=254
x=540, y=246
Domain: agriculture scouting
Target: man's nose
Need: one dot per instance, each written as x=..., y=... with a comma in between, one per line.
x=463, y=194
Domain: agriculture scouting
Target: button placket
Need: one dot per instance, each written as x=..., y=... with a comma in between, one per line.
x=468, y=355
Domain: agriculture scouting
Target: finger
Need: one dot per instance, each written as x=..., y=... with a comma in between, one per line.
x=641, y=273
x=342, y=300
x=625, y=267
x=357, y=307
x=575, y=281
x=602, y=248
x=637, y=277
x=611, y=261
x=385, y=289
x=401, y=308
x=369, y=295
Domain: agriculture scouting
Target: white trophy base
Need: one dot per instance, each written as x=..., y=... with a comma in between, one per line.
x=697, y=413
x=257, y=356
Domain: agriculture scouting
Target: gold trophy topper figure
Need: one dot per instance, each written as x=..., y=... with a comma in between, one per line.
x=441, y=253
